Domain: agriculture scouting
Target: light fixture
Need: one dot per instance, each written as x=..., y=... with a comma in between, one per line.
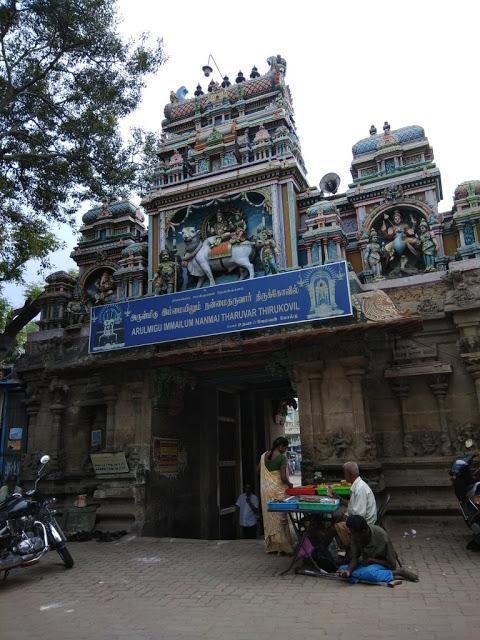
x=207, y=69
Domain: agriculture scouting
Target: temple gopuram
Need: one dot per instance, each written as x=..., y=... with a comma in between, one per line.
x=159, y=417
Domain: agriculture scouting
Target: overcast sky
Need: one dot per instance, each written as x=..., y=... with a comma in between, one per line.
x=349, y=65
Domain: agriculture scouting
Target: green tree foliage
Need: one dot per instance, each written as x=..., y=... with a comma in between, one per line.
x=33, y=290
x=66, y=79
x=6, y=313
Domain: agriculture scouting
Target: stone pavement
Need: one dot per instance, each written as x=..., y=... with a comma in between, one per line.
x=152, y=589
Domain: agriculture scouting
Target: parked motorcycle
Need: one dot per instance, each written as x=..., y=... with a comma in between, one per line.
x=466, y=484
x=28, y=528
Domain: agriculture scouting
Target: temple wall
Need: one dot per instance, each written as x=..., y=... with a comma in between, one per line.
x=400, y=404
x=419, y=394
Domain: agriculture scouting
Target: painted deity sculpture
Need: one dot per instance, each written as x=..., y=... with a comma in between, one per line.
x=372, y=255
x=165, y=280
x=105, y=289
x=77, y=308
x=220, y=229
x=238, y=228
x=401, y=237
x=429, y=246
x=199, y=262
x=268, y=251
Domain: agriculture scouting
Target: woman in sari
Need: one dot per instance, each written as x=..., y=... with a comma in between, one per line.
x=273, y=482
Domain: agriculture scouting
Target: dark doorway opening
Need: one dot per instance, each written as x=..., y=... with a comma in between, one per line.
x=227, y=422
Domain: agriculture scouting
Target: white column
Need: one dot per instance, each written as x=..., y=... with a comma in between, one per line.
x=277, y=222
x=161, y=230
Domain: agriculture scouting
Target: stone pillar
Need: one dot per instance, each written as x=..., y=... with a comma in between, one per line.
x=339, y=249
x=437, y=230
x=472, y=361
x=161, y=230
x=292, y=217
x=324, y=251
x=32, y=408
x=468, y=323
x=110, y=396
x=277, y=223
x=58, y=393
x=308, y=380
x=355, y=368
x=439, y=388
x=309, y=253
x=401, y=391
x=57, y=411
x=431, y=199
x=361, y=212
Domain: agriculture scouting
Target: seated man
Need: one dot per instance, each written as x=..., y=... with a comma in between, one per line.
x=372, y=556
x=361, y=503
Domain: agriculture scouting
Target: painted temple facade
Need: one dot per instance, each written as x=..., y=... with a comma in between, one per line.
x=396, y=386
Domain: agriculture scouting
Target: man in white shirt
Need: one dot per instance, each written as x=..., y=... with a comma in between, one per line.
x=361, y=502
x=247, y=504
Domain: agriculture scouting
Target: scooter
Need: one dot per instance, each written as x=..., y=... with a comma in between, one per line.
x=466, y=484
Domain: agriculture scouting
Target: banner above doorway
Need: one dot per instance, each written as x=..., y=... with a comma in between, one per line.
x=317, y=293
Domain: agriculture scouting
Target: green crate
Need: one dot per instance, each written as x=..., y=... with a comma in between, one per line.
x=319, y=506
x=340, y=490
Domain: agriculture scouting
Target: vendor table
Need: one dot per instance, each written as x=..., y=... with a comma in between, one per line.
x=301, y=519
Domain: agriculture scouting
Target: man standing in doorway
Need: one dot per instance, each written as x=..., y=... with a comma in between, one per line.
x=247, y=504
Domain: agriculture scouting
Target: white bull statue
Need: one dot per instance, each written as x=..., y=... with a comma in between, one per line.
x=200, y=265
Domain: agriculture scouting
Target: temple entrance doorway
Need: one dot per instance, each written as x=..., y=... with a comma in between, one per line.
x=249, y=417
x=229, y=418
x=248, y=421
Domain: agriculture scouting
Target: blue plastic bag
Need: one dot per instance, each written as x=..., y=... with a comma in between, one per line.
x=369, y=573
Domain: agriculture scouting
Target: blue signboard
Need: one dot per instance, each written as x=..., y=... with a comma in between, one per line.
x=316, y=293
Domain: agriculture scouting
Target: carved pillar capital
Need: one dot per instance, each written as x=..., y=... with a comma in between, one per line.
x=472, y=363
x=400, y=388
x=438, y=384
x=32, y=407
x=58, y=392
x=354, y=365
x=310, y=370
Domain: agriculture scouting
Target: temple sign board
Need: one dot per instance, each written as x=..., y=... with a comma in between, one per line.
x=109, y=463
x=304, y=295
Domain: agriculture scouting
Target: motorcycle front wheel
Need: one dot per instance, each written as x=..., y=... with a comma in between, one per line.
x=64, y=554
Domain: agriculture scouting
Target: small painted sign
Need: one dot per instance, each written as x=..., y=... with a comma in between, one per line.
x=14, y=441
x=15, y=433
x=109, y=463
x=165, y=455
x=305, y=295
